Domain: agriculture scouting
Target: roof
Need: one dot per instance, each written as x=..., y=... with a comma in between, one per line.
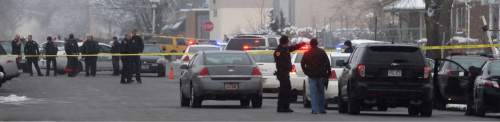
x=203, y=45
x=386, y=44
x=406, y=5
x=222, y=52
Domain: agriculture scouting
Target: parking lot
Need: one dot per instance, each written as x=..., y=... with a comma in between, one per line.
x=103, y=99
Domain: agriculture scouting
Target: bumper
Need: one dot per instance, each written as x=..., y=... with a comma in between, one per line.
x=392, y=92
x=332, y=91
x=271, y=84
x=216, y=89
x=297, y=82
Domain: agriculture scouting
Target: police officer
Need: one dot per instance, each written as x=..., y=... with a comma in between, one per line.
x=125, y=78
x=51, y=52
x=136, y=46
x=348, y=47
x=284, y=66
x=32, y=52
x=72, y=49
x=91, y=49
x=16, y=49
x=115, y=49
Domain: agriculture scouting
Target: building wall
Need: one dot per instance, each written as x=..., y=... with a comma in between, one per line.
x=237, y=16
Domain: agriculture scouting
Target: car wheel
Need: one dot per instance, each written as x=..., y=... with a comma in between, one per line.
x=469, y=111
x=305, y=101
x=294, y=96
x=354, y=107
x=426, y=109
x=413, y=110
x=195, y=101
x=439, y=101
x=162, y=73
x=184, y=100
x=245, y=103
x=257, y=101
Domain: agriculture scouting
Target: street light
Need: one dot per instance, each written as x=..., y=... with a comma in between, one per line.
x=154, y=6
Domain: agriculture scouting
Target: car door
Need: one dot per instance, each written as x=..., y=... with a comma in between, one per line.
x=186, y=75
x=445, y=71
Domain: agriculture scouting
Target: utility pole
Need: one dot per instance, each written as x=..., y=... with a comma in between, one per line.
x=154, y=6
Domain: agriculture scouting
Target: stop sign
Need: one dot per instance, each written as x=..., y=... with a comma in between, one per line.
x=208, y=26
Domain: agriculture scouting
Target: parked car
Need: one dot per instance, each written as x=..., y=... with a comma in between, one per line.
x=8, y=66
x=252, y=42
x=266, y=64
x=216, y=75
x=386, y=75
x=153, y=64
x=486, y=90
x=332, y=90
x=453, y=78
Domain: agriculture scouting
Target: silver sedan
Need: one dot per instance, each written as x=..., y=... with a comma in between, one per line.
x=216, y=75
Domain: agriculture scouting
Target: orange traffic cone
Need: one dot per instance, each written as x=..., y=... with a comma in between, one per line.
x=171, y=74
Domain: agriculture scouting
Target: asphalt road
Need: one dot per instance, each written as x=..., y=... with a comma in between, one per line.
x=103, y=99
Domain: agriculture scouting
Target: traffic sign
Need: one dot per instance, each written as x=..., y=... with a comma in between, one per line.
x=208, y=26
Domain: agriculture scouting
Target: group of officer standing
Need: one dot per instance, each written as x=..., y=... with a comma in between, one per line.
x=125, y=51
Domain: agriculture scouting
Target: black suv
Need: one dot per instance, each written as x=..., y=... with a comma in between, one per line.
x=386, y=75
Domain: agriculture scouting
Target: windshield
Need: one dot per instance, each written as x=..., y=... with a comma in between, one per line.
x=197, y=49
x=7, y=46
x=334, y=61
x=2, y=51
x=467, y=62
x=263, y=58
x=227, y=59
x=298, y=59
x=494, y=68
x=394, y=54
x=152, y=49
x=240, y=43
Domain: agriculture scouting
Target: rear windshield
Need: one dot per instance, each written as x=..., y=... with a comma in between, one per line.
x=197, y=49
x=298, y=59
x=467, y=62
x=227, y=59
x=334, y=61
x=152, y=49
x=2, y=51
x=263, y=58
x=493, y=68
x=239, y=43
x=394, y=54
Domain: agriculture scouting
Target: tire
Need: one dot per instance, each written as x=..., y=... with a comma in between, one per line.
x=245, y=103
x=184, y=100
x=195, y=101
x=294, y=96
x=257, y=101
x=479, y=108
x=426, y=109
x=353, y=107
x=413, y=110
x=305, y=101
x=439, y=101
x=342, y=106
x=470, y=109
x=162, y=73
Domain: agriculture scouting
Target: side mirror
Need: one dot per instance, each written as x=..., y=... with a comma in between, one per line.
x=341, y=63
x=184, y=66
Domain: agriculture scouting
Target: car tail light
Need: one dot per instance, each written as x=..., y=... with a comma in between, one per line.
x=305, y=47
x=427, y=72
x=294, y=69
x=256, y=72
x=203, y=72
x=191, y=42
x=246, y=47
x=186, y=59
x=333, y=76
x=491, y=84
x=361, y=68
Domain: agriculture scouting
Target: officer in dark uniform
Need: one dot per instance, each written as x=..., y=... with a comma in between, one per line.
x=32, y=52
x=125, y=78
x=348, y=47
x=284, y=66
x=115, y=49
x=90, y=47
x=51, y=52
x=71, y=48
x=16, y=49
x=136, y=46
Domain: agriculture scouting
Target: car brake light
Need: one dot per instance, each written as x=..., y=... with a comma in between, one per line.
x=256, y=72
x=186, y=59
x=361, y=68
x=427, y=72
x=305, y=47
x=203, y=72
x=294, y=69
x=246, y=47
x=333, y=76
x=491, y=84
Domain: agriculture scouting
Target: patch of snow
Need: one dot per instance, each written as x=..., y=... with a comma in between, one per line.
x=17, y=100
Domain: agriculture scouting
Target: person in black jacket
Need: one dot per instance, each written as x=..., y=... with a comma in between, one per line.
x=115, y=49
x=51, y=51
x=316, y=66
x=125, y=78
x=71, y=48
x=348, y=47
x=136, y=46
x=16, y=49
x=284, y=66
x=90, y=49
x=32, y=53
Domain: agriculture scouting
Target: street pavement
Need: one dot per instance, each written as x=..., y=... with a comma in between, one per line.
x=102, y=98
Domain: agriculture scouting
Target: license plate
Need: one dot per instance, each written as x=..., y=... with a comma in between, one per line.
x=145, y=66
x=394, y=73
x=231, y=86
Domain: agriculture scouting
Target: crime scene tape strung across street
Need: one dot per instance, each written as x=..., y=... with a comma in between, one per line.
x=270, y=52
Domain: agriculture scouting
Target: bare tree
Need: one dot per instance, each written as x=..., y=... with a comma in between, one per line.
x=437, y=22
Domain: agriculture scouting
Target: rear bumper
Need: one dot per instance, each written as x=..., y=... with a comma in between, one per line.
x=215, y=89
x=271, y=84
x=297, y=83
x=392, y=92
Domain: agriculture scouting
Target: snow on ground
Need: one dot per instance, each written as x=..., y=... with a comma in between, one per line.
x=17, y=100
